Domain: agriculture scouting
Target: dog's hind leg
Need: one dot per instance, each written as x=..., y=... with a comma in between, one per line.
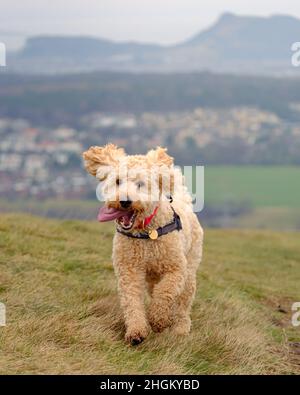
x=182, y=308
x=184, y=301
x=151, y=280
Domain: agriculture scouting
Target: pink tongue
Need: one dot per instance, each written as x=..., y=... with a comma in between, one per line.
x=109, y=214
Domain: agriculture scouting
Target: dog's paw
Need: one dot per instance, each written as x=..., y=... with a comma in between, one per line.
x=136, y=336
x=159, y=317
x=182, y=327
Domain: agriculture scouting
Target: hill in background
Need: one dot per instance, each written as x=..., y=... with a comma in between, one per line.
x=63, y=99
x=239, y=44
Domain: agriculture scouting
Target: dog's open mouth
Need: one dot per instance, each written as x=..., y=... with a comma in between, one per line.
x=125, y=219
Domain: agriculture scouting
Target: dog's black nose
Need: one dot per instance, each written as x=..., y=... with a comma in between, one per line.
x=125, y=203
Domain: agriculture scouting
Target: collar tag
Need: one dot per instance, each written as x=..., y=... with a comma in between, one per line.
x=153, y=234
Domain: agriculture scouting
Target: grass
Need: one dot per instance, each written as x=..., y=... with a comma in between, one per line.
x=277, y=218
x=58, y=285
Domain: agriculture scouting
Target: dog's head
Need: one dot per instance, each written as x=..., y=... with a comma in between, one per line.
x=132, y=185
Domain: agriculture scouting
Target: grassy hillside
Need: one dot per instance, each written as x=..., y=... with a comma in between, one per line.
x=57, y=282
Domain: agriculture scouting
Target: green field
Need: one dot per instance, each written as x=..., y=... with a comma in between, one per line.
x=261, y=186
x=63, y=316
x=271, y=195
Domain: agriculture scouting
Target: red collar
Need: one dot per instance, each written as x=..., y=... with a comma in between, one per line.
x=148, y=220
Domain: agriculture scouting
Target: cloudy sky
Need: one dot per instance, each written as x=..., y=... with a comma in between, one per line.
x=159, y=21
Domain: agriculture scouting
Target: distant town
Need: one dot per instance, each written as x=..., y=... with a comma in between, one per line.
x=44, y=162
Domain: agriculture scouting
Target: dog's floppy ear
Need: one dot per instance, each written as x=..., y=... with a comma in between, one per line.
x=164, y=163
x=160, y=157
x=99, y=160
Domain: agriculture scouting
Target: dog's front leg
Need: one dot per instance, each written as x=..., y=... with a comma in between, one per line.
x=131, y=286
x=163, y=298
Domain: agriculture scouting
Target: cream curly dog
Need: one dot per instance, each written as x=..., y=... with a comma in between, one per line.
x=158, y=240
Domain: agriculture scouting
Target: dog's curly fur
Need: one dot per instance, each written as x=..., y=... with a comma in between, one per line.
x=166, y=266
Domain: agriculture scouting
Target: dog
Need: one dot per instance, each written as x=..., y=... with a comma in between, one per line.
x=158, y=241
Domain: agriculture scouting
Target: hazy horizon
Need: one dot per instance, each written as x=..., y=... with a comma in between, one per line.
x=166, y=23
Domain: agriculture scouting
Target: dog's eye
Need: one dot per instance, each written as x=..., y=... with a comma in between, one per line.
x=118, y=181
x=140, y=184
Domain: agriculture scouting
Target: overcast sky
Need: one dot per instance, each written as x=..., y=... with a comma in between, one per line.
x=159, y=21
